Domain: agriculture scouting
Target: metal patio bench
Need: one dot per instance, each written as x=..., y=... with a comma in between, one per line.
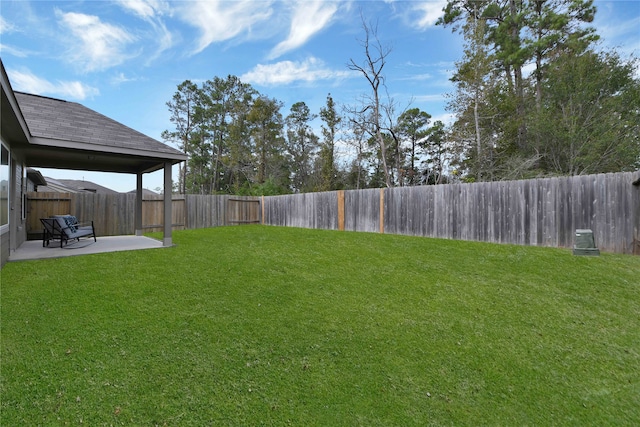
x=65, y=228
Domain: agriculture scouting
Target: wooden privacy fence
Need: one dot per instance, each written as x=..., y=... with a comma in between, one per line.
x=114, y=214
x=542, y=212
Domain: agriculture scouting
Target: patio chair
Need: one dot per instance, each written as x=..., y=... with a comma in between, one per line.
x=65, y=228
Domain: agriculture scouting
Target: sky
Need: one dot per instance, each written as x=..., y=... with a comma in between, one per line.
x=125, y=58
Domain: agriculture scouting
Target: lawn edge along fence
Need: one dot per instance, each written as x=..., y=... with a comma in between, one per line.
x=539, y=212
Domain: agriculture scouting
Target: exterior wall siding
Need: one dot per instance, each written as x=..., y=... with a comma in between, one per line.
x=4, y=248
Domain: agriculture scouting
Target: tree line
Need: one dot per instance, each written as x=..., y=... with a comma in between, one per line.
x=533, y=97
x=578, y=110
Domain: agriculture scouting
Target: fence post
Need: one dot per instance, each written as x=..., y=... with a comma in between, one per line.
x=167, y=238
x=382, y=211
x=341, y=210
x=138, y=212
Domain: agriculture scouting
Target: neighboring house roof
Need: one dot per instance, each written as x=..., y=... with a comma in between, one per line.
x=68, y=135
x=35, y=177
x=73, y=186
x=145, y=192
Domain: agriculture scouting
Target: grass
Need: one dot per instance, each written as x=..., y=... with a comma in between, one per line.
x=280, y=326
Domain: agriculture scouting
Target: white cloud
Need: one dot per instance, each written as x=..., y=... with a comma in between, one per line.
x=428, y=13
x=152, y=11
x=120, y=78
x=528, y=69
x=220, y=20
x=623, y=35
x=429, y=98
x=309, y=17
x=146, y=9
x=287, y=72
x=95, y=45
x=25, y=81
x=417, y=77
x=446, y=118
x=6, y=27
x=13, y=51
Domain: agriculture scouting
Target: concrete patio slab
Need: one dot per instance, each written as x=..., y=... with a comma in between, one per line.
x=33, y=249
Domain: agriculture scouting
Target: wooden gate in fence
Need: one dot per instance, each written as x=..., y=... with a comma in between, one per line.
x=153, y=213
x=243, y=211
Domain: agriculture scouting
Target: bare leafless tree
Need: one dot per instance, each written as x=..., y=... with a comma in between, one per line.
x=371, y=68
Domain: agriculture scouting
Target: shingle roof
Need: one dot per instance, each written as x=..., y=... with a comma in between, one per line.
x=57, y=119
x=146, y=193
x=73, y=186
x=35, y=177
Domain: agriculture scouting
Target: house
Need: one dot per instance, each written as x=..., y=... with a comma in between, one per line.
x=38, y=131
x=73, y=186
x=145, y=193
x=34, y=180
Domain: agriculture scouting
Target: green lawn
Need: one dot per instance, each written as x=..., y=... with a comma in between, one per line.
x=281, y=326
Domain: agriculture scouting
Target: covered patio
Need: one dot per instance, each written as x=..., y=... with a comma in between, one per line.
x=33, y=249
x=44, y=132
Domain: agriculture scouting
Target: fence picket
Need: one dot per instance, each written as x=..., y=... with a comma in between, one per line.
x=541, y=212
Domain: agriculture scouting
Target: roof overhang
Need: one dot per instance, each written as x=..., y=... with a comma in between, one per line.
x=58, y=154
x=36, y=177
x=14, y=126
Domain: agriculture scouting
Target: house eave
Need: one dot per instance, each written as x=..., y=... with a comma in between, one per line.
x=73, y=145
x=36, y=177
x=13, y=124
x=57, y=158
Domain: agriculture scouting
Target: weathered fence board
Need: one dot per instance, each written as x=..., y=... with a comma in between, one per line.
x=307, y=210
x=114, y=214
x=541, y=212
x=206, y=211
x=44, y=205
x=153, y=213
x=242, y=211
x=361, y=210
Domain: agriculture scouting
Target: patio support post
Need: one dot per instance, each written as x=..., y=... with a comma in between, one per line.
x=138, y=215
x=167, y=204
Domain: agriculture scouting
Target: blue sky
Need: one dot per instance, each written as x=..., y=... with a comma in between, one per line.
x=125, y=58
